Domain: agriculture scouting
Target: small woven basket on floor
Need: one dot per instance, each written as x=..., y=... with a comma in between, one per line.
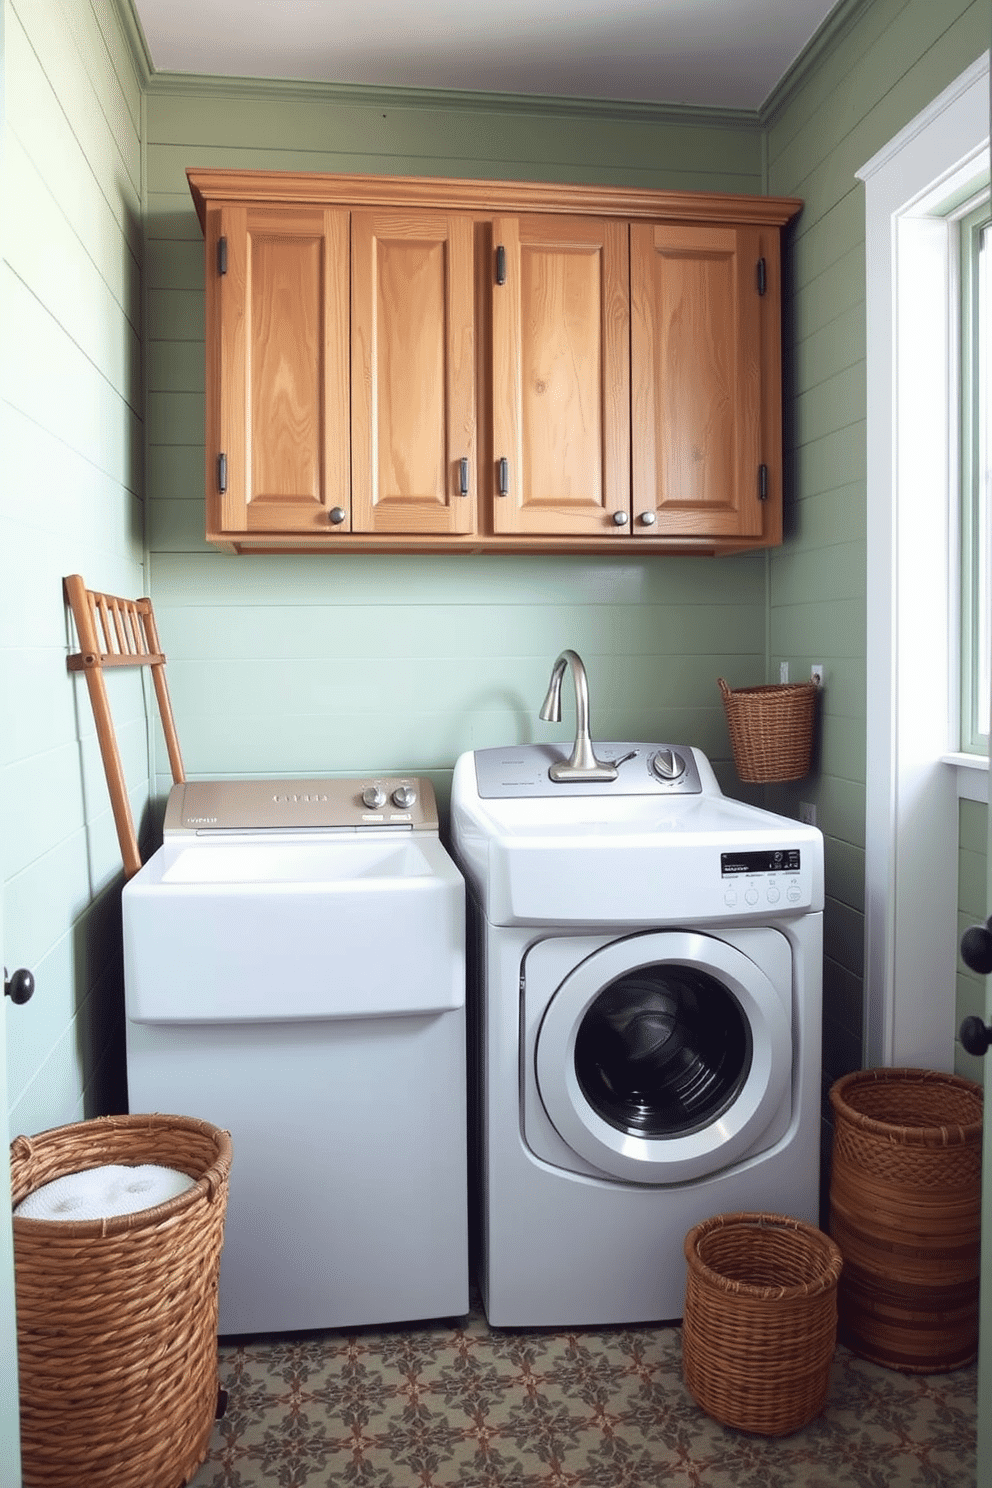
x=771, y=729
x=117, y=1318
x=760, y=1324
x=905, y=1209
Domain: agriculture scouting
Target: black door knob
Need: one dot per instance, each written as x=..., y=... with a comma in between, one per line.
x=975, y=1036
x=20, y=987
x=976, y=948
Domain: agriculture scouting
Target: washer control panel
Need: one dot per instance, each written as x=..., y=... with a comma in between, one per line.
x=642, y=770
x=767, y=877
x=203, y=807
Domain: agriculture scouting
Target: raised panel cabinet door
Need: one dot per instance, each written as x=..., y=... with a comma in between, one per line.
x=277, y=436
x=413, y=372
x=696, y=382
x=561, y=377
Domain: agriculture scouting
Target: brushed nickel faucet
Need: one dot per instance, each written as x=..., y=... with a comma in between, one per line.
x=583, y=764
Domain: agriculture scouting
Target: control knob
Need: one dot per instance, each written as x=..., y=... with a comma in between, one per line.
x=667, y=765
x=374, y=796
x=404, y=797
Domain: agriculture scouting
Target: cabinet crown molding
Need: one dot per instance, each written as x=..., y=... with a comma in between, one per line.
x=301, y=188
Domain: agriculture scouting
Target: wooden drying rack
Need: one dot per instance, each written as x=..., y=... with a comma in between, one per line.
x=114, y=632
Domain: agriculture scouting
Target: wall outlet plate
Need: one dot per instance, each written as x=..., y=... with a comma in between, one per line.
x=807, y=813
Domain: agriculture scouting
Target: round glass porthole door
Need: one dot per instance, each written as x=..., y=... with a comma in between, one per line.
x=665, y=1056
x=663, y=1051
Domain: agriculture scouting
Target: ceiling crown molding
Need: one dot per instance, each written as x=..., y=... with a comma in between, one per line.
x=452, y=100
x=840, y=20
x=135, y=37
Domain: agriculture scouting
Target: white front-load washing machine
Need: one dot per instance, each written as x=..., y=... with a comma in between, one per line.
x=646, y=1000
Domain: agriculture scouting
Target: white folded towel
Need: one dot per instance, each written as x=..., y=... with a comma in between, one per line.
x=101, y=1193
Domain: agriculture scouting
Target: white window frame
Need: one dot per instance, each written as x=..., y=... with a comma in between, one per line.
x=912, y=783
x=975, y=227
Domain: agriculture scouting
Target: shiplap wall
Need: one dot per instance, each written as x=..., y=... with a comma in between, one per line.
x=351, y=663
x=284, y=665
x=893, y=58
x=71, y=436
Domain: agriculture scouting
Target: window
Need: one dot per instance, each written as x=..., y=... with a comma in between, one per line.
x=975, y=229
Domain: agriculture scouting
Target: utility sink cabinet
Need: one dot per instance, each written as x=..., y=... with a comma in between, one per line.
x=441, y=365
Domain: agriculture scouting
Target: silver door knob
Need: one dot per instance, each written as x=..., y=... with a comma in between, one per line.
x=648, y=518
x=620, y=519
x=337, y=515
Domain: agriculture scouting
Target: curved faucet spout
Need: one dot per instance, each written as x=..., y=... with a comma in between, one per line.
x=583, y=764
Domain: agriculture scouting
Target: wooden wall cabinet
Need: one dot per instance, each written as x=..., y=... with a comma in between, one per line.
x=406, y=364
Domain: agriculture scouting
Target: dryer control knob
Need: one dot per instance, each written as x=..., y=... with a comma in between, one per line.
x=373, y=797
x=404, y=797
x=667, y=765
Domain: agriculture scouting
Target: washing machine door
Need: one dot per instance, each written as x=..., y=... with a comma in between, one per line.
x=667, y=1056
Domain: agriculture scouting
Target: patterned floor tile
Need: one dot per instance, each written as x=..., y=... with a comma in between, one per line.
x=446, y=1405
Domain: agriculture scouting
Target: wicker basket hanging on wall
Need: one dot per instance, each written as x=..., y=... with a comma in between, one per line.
x=117, y=1317
x=760, y=1323
x=905, y=1209
x=771, y=729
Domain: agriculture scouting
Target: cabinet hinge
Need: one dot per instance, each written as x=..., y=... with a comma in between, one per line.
x=501, y=264
x=762, y=276
x=762, y=482
x=222, y=255
x=222, y=472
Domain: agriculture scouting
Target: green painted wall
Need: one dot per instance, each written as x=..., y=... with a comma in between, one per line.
x=344, y=664
x=892, y=58
x=71, y=406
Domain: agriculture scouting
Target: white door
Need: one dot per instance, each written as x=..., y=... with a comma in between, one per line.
x=10, y=1452
x=984, y=1474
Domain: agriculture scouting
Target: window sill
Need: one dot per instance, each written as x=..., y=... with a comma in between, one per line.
x=972, y=772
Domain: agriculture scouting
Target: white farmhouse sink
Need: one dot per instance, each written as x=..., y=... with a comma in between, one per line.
x=270, y=928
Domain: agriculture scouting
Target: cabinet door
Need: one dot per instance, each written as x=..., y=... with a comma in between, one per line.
x=561, y=377
x=696, y=381
x=277, y=436
x=413, y=372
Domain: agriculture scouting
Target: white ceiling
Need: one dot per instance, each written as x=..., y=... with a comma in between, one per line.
x=706, y=53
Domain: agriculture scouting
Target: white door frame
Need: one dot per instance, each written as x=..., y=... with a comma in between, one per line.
x=911, y=792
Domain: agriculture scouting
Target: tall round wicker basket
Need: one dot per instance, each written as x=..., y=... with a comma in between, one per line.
x=760, y=1324
x=117, y=1318
x=905, y=1209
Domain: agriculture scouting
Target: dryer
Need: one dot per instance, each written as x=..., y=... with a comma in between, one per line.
x=646, y=1002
